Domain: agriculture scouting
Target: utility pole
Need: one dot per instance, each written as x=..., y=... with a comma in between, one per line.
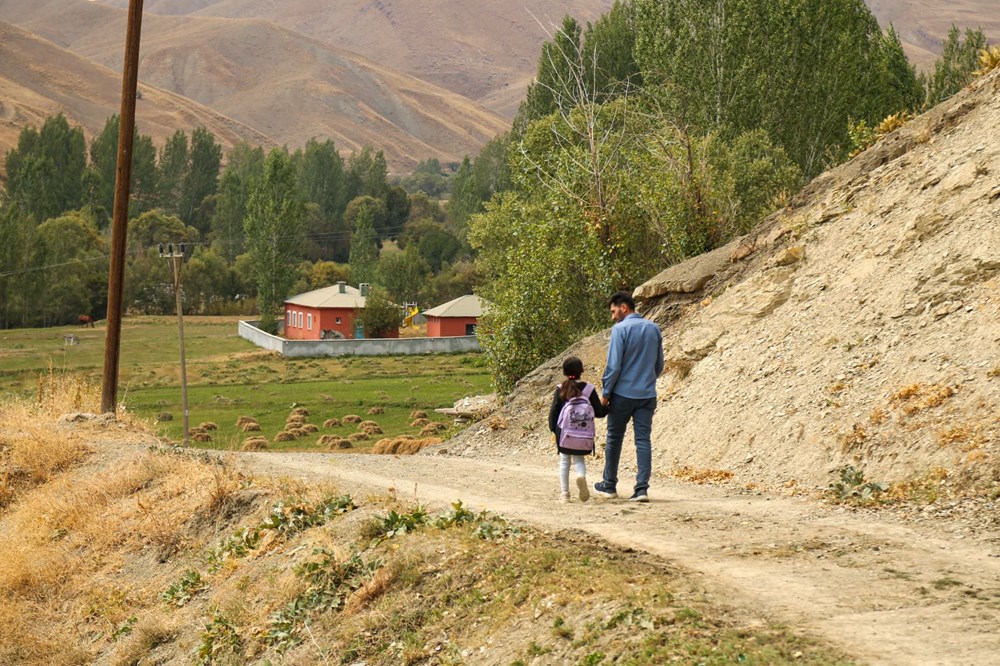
x=176, y=263
x=119, y=220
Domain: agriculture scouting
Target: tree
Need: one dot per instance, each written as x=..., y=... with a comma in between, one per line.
x=173, y=167
x=403, y=274
x=902, y=89
x=245, y=167
x=103, y=171
x=374, y=208
x=154, y=227
x=17, y=233
x=559, y=70
x=799, y=69
x=380, y=315
x=324, y=183
x=274, y=227
x=955, y=68
x=607, y=56
x=74, y=249
x=367, y=174
x=45, y=170
x=201, y=180
x=364, y=247
x=397, y=210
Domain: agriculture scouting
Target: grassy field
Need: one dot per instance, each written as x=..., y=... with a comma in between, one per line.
x=228, y=378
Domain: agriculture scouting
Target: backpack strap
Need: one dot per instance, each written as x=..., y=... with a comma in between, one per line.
x=587, y=390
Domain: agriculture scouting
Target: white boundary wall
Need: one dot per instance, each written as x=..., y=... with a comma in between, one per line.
x=363, y=347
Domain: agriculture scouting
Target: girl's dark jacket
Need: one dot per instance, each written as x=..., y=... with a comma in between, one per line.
x=600, y=411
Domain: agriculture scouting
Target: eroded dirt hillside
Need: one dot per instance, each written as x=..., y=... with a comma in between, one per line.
x=858, y=326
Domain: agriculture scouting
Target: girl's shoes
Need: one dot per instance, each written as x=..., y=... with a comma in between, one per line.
x=581, y=484
x=564, y=498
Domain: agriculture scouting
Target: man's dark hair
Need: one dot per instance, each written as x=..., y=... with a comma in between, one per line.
x=622, y=298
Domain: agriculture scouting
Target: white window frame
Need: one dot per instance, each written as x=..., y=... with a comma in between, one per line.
x=309, y=321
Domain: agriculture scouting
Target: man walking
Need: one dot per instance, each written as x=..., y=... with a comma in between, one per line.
x=635, y=360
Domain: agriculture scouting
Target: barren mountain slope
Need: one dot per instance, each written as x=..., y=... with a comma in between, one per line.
x=39, y=79
x=923, y=24
x=860, y=325
x=488, y=52
x=289, y=86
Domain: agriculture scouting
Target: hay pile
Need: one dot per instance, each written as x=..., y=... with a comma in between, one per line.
x=404, y=445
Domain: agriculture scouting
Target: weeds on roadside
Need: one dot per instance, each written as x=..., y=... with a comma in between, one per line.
x=852, y=487
x=181, y=592
x=284, y=520
x=219, y=639
x=488, y=527
x=330, y=582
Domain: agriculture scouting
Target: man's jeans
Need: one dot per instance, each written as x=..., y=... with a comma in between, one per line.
x=641, y=413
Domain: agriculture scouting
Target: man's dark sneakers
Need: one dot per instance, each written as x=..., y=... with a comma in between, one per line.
x=639, y=496
x=602, y=489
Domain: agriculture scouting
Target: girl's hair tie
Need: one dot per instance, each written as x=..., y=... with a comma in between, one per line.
x=573, y=376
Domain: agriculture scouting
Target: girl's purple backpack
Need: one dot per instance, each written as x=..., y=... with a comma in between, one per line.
x=576, y=423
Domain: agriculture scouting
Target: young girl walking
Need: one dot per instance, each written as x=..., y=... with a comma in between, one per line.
x=571, y=419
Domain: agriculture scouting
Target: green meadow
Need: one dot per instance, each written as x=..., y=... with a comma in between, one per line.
x=228, y=378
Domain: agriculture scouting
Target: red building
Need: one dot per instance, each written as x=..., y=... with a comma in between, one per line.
x=454, y=318
x=322, y=314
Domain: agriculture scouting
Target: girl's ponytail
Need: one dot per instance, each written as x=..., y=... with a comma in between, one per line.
x=573, y=369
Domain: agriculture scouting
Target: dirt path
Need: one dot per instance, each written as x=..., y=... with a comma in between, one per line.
x=886, y=592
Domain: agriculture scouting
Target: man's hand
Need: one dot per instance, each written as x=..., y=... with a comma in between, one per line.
x=605, y=400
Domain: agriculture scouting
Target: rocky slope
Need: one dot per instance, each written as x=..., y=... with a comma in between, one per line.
x=858, y=326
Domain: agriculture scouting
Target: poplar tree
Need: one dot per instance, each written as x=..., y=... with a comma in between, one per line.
x=274, y=234
x=364, y=248
x=45, y=169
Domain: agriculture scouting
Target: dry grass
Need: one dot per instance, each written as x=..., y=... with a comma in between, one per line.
x=367, y=424
x=300, y=411
x=372, y=589
x=284, y=436
x=309, y=428
x=208, y=425
x=853, y=439
x=418, y=414
x=680, y=368
x=243, y=420
x=989, y=59
x=918, y=397
x=351, y=418
x=86, y=516
x=964, y=437
x=331, y=423
x=376, y=410
x=419, y=423
x=359, y=436
x=295, y=418
x=701, y=476
x=201, y=437
x=250, y=427
x=878, y=416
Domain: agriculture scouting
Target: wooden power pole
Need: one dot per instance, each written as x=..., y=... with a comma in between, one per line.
x=119, y=220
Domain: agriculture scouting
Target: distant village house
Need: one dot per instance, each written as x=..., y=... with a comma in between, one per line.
x=454, y=318
x=327, y=313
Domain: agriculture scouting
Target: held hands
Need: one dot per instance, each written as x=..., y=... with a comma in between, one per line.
x=605, y=400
